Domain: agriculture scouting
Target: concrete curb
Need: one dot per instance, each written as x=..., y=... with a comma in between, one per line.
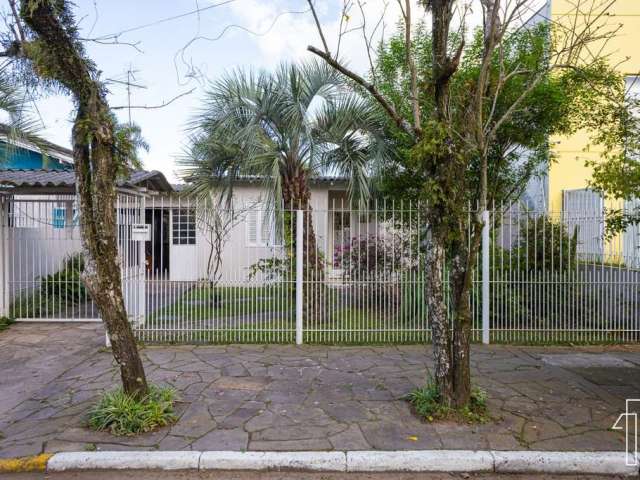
x=36, y=463
x=595, y=463
x=124, y=460
x=600, y=463
x=420, y=461
x=315, y=461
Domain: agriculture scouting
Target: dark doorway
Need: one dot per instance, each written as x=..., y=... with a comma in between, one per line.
x=157, y=250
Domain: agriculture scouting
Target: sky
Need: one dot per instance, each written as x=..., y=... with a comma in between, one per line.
x=216, y=42
x=178, y=51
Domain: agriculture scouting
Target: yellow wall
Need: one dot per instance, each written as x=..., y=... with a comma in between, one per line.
x=570, y=172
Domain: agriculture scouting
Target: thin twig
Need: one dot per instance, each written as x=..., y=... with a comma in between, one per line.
x=152, y=107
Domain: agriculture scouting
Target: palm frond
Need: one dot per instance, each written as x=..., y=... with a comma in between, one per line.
x=301, y=118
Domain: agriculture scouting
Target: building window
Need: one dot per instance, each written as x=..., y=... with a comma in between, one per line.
x=184, y=226
x=261, y=229
x=59, y=215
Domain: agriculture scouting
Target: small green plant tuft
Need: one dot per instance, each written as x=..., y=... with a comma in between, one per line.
x=122, y=414
x=5, y=322
x=426, y=403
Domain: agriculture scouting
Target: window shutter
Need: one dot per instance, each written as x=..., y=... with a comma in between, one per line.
x=265, y=230
x=252, y=227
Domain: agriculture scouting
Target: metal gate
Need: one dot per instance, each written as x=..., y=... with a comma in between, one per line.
x=41, y=259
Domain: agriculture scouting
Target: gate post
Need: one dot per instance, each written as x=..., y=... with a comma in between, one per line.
x=299, y=274
x=142, y=268
x=485, y=277
x=4, y=257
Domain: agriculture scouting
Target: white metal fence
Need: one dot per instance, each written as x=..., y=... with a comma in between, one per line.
x=41, y=259
x=329, y=275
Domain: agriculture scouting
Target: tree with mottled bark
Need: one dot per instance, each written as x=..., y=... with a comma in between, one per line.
x=450, y=143
x=47, y=41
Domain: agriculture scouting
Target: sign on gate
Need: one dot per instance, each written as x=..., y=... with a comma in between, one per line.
x=141, y=232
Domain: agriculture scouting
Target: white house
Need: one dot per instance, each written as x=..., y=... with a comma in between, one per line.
x=39, y=228
x=181, y=235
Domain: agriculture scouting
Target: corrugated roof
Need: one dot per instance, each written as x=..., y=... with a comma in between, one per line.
x=22, y=178
x=178, y=187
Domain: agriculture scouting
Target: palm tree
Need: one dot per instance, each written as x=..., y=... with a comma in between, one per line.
x=17, y=122
x=284, y=127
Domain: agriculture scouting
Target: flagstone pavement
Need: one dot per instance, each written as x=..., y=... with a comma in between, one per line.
x=284, y=397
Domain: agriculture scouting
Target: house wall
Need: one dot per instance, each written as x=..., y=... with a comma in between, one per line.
x=570, y=172
x=37, y=244
x=22, y=158
x=188, y=262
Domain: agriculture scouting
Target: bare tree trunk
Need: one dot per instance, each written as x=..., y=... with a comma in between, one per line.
x=440, y=211
x=59, y=57
x=462, y=267
x=439, y=319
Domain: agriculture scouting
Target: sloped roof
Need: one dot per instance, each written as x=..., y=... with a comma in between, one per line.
x=65, y=179
x=63, y=154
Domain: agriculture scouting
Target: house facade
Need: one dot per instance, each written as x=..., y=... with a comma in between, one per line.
x=183, y=235
x=180, y=245
x=563, y=190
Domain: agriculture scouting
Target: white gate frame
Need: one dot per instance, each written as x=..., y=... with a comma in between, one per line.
x=299, y=274
x=486, y=227
x=4, y=255
x=135, y=277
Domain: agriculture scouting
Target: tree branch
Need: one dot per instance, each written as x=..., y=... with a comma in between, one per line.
x=388, y=107
x=415, y=103
x=153, y=107
x=315, y=18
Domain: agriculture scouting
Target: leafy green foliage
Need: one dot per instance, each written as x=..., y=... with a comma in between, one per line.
x=66, y=284
x=560, y=104
x=283, y=127
x=5, y=322
x=427, y=404
x=128, y=143
x=616, y=170
x=18, y=123
x=123, y=414
x=546, y=245
x=272, y=268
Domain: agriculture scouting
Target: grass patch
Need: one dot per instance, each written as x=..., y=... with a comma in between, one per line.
x=426, y=404
x=5, y=322
x=121, y=414
x=205, y=303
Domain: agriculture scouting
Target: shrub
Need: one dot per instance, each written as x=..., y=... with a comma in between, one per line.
x=272, y=269
x=122, y=414
x=66, y=284
x=375, y=257
x=546, y=245
x=388, y=266
x=426, y=403
x=4, y=323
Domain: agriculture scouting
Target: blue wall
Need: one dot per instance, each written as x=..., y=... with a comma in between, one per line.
x=16, y=157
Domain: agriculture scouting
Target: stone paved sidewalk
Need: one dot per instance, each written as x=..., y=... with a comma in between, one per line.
x=282, y=397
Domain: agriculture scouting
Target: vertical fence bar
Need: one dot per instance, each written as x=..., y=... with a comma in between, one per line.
x=299, y=282
x=485, y=277
x=4, y=258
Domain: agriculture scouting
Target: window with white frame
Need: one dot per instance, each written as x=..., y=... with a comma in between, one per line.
x=184, y=226
x=261, y=228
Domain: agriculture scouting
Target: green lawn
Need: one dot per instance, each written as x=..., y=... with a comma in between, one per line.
x=266, y=314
